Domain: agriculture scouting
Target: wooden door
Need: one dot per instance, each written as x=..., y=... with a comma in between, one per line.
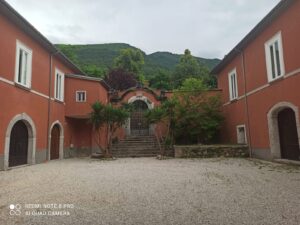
x=288, y=134
x=55, y=136
x=18, y=147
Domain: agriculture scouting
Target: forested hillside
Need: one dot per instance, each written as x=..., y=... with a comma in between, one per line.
x=97, y=59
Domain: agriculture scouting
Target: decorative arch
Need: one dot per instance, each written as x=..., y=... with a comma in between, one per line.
x=61, y=139
x=142, y=98
x=31, y=138
x=274, y=129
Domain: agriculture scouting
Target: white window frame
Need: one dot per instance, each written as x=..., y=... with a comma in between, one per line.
x=25, y=75
x=59, y=81
x=77, y=97
x=238, y=136
x=233, y=85
x=271, y=43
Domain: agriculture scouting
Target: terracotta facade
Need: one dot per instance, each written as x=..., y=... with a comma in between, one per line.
x=257, y=109
x=36, y=104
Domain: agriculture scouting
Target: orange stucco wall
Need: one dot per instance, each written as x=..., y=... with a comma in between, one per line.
x=34, y=101
x=94, y=92
x=261, y=101
x=80, y=133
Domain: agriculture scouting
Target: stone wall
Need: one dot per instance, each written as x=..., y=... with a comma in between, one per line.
x=78, y=152
x=211, y=151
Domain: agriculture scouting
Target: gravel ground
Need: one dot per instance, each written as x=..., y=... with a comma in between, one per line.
x=148, y=191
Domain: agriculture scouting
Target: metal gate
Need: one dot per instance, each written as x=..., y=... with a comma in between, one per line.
x=18, y=147
x=138, y=123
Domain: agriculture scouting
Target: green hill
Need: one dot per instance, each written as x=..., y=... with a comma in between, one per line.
x=100, y=58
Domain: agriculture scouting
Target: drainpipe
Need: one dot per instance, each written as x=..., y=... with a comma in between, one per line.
x=49, y=104
x=246, y=101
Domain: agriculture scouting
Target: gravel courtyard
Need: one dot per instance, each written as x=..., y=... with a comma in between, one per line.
x=148, y=191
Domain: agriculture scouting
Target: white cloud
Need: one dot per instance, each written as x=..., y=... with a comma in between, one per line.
x=209, y=28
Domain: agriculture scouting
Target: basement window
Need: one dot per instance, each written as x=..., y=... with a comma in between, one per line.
x=59, y=85
x=233, y=88
x=80, y=96
x=23, y=65
x=241, y=134
x=274, y=57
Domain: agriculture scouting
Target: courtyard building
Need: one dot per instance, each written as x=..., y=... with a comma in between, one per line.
x=46, y=99
x=260, y=80
x=45, y=102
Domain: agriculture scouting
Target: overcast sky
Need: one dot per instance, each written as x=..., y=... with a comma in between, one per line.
x=209, y=28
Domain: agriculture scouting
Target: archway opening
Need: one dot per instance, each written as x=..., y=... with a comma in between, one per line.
x=55, y=142
x=19, y=144
x=139, y=125
x=288, y=135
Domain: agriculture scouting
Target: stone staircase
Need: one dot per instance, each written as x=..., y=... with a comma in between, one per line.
x=136, y=146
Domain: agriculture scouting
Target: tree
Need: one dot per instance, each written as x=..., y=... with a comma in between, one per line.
x=198, y=116
x=189, y=67
x=69, y=51
x=161, y=80
x=94, y=70
x=109, y=117
x=192, y=85
x=120, y=80
x=97, y=119
x=192, y=115
x=165, y=113
x=115, y=118
x=132, y=61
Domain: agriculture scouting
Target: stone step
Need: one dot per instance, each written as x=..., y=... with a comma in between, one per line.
x=140, y=137
x=125, y=148
x=136, y=146
x=138, y=149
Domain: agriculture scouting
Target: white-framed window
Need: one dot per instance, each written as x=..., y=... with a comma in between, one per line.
x=80, y=96
x=59, y=85
x=233, y=87
x=274, y=57
x=23, y=65
x=241, y=134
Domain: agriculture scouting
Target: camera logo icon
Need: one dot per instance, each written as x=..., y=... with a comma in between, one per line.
x=15, y=210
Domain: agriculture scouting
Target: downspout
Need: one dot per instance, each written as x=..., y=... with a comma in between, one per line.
x=49, y=105
x=246, y=102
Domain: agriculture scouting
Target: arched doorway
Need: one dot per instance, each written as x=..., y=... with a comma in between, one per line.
x=284, y=131
x=55, y=140
x=31, y=139
x=138, y=123
x=288, y=135
x=18, y=146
